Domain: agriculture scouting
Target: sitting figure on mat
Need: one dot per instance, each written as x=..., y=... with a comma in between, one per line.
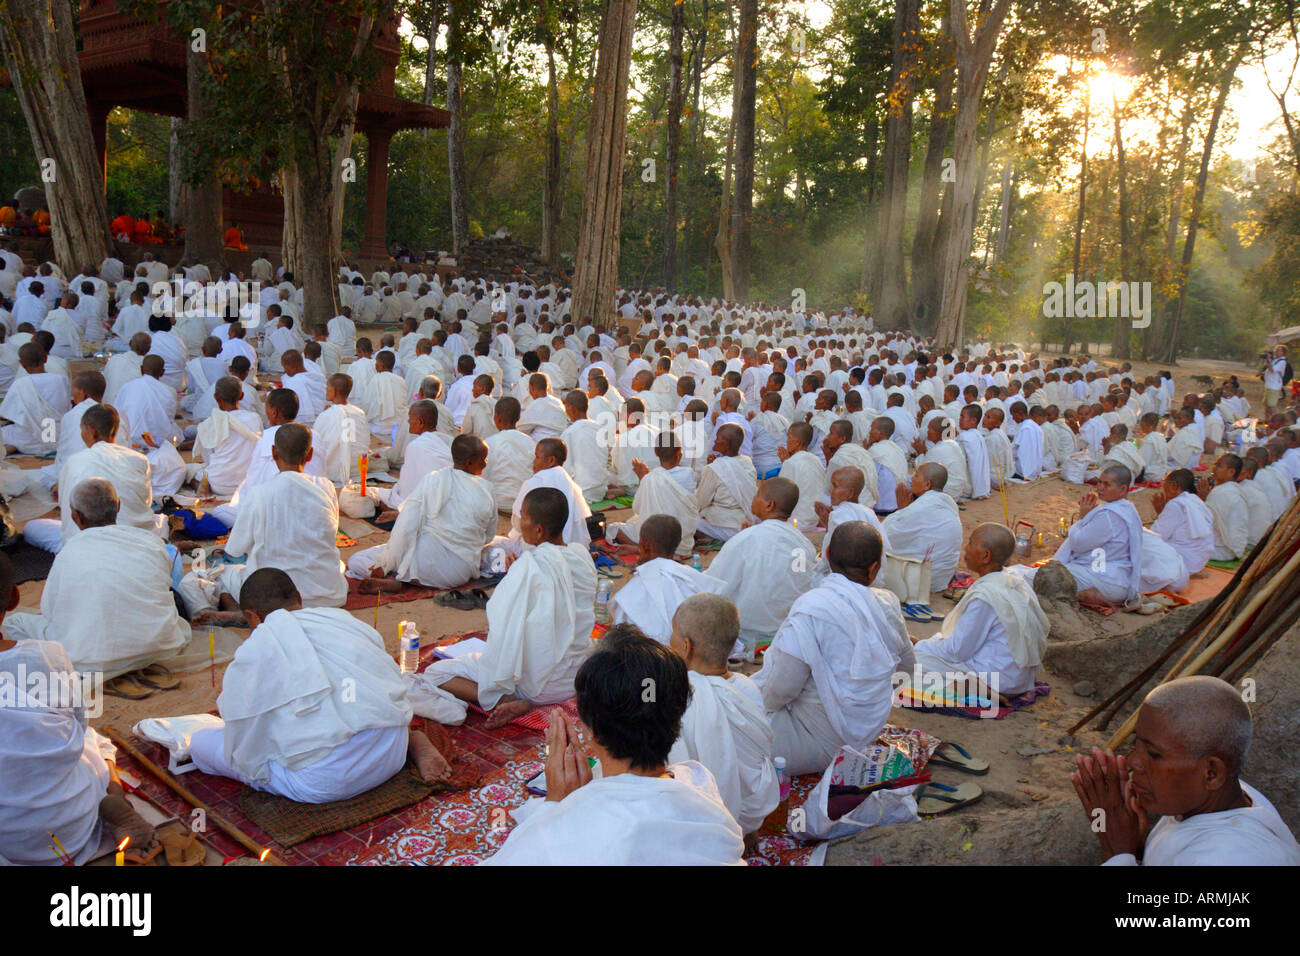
x=643, y=810
x=1193, y=735
x=60, y=777
x=335, y=724
x=540, y=619
x=997, y=631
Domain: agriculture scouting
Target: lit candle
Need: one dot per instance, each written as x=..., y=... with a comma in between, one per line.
x=261, y=857
x=212, y=657
x=120, y=859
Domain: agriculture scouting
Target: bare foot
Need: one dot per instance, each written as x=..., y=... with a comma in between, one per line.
x=376, y=585
x=122, y=821
x=431, y=765
x=219, y=619
x=507, y=710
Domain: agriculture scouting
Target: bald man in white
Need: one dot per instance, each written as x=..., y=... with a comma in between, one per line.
x=1193, y=737
x=725, y=726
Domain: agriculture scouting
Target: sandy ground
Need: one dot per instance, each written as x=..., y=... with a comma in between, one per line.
x=1028, y=762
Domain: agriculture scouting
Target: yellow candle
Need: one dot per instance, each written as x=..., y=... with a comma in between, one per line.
x=120, y=859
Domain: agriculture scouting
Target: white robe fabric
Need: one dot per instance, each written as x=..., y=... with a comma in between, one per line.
x=654, y=593
x=385, y=402
x=129, y=473
x=1249, y=836
x=1162, y=566
x=225, y=441
x=544, y=418
x=344, y=437
x=1027, y=449
x=630, y=820
x=1187, y=526
x=509, y=465
x=928, y=527
x=575, y=531
x=724, y=494
x=1103, y=550
x=426, y=453
x=302, y=684
x=108, y=601
x=540, y=619
x=1185, y=449
x=977, y=462
x=119, y=370
x=949, y=454
x=808, y=472
x=34, y=404
x=726, y=729
x=587, y=460
x=150, y=406
x=852, y=640
x=765, y=568
x=1228, y=507
x=440, y=531
x=1155, y=456
x=1258, y=510
x=1127, y=454
x=997, y=628
x=661, y=494
x=1001, y=459
x=52, y=763
x=889, y=455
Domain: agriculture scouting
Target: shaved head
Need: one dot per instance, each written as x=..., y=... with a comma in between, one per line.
x=661, y=534
x=996, y=539
x=783, y=493
x=1119, y=474
x=549, y=508
x=851, y=478
x=267, y=590
x=1207, y=715
x=733, y=436
x=712, y=623
x=935, y=474
x=854, y=545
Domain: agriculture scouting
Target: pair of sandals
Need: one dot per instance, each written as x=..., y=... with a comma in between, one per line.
x=936, y=799
x=137, y=685
x=921, y=613
x=469, y=600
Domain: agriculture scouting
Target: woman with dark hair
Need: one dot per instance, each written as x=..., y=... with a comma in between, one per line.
x=640, y=810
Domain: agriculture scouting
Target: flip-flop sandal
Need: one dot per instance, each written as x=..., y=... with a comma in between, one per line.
x=127, y=687
x=609, y=573
x=480, y=597
x=937, y=799
x=949, y=754
x=157, y=676
x=182, y=849
x=927, y=610
x=456, y=600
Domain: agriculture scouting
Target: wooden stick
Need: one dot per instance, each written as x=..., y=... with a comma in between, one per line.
x=1243, y=651
x=1226, y=635
x=167, y=779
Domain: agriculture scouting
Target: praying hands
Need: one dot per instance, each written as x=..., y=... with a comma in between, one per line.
x=566, y=758
x=1102, y=783
x=1087, y=503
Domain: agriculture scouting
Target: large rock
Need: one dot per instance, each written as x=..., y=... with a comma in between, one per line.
x=1271, y=764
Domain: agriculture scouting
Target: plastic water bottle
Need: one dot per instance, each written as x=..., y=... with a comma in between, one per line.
x=408, y=647
x=696, y=563
x=782, y=779
x=602, y=603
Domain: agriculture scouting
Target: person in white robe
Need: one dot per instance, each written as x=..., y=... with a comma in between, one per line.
x=633, y=440
x=289, y=522
x=167, y=345
x=846, y=491
x=1228, y=507
x=996, y=635
x=225, y=440
x=1185, y=448
x=1163, y=568
x=149, y=405
x=426, y=453
x=385, y=397
x=660, y=584
x=884, y=451
x=544, y=417
x=842, y=452
x=60, y=775
x=827, y=679
x=806, y=471
x=334, y=725
x=1183, y=520
x=1258, y=507
x=106, y=567
x=588, y=446
x=309, y=387
x=201, y=374
x=1118, y=450
x=479, y=417
x=87, y=392
x=125, y=367
x=1027, y=450
x=927, y=524
x=63, y=325
x=975, y=450
x=441, y=528
x=663, y=491
x=540, y=620
x=1199, y=731
x=343, y=333
x=643, y=810
x=726, y=486
x=510, y=454
x=126, y=469
x=1103, y=548
x=766, y=567
x=947, y=453
x=725, y=726
x=34, y=404
x=1152, y=447
x=343, y=433
x=1002, y=464
x=548, y=472
x=769, y=433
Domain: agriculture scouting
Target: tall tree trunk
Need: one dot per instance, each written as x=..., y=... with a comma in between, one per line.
x=973, y=54
x=699, y=42
x=456, y=134
x=38, y=41
x=721, y=239
x=1198, y=200
x=673, y=145
x=431, y=55
x=1008, y=203
x=342, y=151
x=890, y=286
x=596, y=270
x=924, y=272
x=742, y=108
x=204, y=236
x=1149, y=342
x=1075, y=262
x=316, y=265
x=552, y=182
x=871, y=140
x=175, y=177
x=1120, y=343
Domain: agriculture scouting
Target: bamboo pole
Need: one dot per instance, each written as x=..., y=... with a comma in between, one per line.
x=168, y=780
x=1236, y=668
x=1227, y=634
